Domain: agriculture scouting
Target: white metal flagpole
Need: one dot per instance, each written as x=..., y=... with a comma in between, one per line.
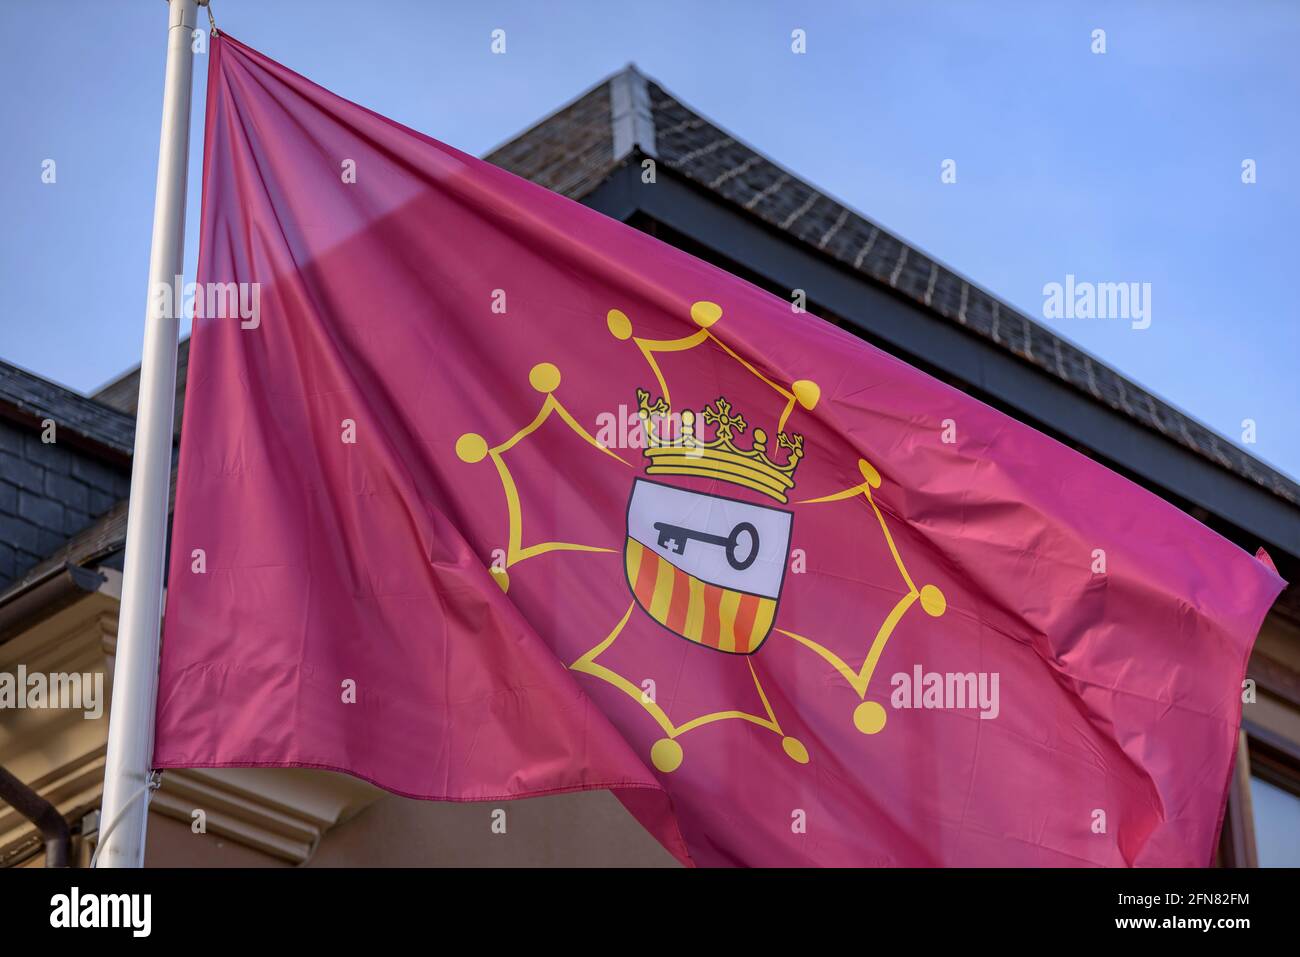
x=135, y=671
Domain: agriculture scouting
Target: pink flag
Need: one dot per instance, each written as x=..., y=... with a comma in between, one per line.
x=497, y=497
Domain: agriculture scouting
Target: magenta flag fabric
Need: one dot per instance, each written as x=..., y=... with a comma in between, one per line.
x=492, y=496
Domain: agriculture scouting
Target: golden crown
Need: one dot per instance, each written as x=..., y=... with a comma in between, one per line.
x=689, y=453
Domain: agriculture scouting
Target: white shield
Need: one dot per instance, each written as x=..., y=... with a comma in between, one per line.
x=722, y=541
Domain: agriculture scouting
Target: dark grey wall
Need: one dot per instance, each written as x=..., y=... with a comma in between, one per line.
x=48, y=492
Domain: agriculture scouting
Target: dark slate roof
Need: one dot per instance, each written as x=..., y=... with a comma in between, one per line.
x=573, y=151
x=51, y=490
x=30, y=395
x=104, y=537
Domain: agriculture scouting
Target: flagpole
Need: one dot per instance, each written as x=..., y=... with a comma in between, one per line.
x=125, y=807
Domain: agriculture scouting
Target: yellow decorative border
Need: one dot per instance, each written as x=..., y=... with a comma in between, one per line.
x=666, y=753
x=869, y=716
x=472, y=448
x=705, y=314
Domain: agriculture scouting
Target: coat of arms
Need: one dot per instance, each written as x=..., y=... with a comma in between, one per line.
x=708, y=567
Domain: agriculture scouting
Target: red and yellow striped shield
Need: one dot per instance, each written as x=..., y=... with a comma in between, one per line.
x=707, y=568
x=720, y=618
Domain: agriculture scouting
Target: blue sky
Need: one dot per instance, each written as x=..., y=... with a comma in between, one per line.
x=1122, y=167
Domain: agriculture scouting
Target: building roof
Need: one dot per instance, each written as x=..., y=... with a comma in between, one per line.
x=574, y=149
x=54, y=483
x=32, y=397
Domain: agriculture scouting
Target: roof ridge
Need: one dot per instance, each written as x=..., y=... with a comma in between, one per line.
x=631, y=119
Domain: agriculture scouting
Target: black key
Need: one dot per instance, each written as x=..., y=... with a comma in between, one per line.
x=675, y=537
